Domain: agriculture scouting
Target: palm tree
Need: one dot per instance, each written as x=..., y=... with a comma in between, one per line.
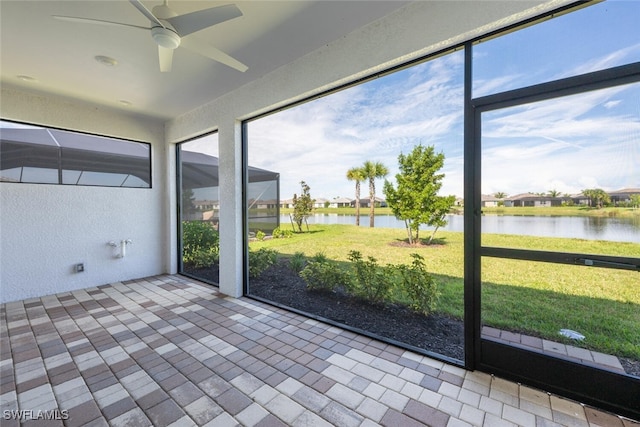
x=590, y=195
x=373, y=170
x=357, y=175
x=500, y=195
x=554, y=193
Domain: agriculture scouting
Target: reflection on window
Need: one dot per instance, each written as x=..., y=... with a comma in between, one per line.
x=595, y=38
x=32, y=154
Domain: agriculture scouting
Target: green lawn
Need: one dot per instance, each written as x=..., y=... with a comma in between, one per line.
x=564, y=211
x=550, y=211
x=535, y=298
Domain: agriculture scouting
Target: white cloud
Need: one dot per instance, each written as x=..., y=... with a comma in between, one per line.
x=319, y=141
x=565, y=144
x=619, y=57
x=612, y=104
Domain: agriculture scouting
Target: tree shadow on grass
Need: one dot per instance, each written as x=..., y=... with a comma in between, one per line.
x=308, y=232
x=421, y=243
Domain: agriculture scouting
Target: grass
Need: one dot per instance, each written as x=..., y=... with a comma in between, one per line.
x=517, y=211
x=565, y=211
x=530, y=297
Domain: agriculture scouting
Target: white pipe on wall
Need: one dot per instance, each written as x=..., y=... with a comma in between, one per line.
x=123, y=247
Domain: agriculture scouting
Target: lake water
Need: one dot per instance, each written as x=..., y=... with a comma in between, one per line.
x=591, y=228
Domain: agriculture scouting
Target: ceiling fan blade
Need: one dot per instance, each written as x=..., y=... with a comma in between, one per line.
x=205, y=49
x=196, y=21
x=96, y=21
x=146, y=12
x=166, y=58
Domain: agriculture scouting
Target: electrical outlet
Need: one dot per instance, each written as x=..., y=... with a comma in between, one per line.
x=79, y=268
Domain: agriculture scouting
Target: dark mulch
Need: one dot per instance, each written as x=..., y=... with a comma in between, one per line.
x=208, y=274
x=435, y=333
x=438, y=334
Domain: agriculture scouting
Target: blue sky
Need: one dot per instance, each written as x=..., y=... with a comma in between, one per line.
x=586, y=141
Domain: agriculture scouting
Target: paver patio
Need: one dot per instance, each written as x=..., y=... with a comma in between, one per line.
x=168, y=350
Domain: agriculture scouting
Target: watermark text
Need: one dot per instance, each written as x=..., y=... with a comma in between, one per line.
x=29, y=414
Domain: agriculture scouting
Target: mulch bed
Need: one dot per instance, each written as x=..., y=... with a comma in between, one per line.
x=438, y=334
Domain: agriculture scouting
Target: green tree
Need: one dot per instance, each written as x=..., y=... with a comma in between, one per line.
x=635, y=201
x=302, y=206
x=589, y=194
x=602, y=198
x=597, y=197
x=188, y=203
x=500, y=195
x=357, y=175
x=372, y=171
x=416, y=199
x=554, y=193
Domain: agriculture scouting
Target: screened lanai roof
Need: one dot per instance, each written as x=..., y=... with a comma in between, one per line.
x=41, y=148
x=31, y=147
x=201, y=170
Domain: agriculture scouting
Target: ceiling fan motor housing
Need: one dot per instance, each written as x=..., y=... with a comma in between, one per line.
x=165, y=37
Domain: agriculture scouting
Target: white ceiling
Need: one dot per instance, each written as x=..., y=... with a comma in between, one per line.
x=59, y=55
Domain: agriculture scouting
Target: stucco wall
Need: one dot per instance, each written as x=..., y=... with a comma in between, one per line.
x=46, y=229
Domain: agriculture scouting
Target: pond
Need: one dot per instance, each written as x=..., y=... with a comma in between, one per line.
x=590, y=228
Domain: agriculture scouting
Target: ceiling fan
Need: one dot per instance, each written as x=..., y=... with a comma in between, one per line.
x=170, y=31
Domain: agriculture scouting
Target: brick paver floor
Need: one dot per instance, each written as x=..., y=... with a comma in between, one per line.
x=168, y=351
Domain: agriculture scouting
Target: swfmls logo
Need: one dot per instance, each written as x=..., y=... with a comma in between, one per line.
x=27, y=415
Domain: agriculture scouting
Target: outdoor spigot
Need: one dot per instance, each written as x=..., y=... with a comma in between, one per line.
x=123, y=247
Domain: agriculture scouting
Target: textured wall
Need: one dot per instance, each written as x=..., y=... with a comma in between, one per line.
x=46, y=229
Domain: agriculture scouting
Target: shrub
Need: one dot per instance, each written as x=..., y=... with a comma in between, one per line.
x=319, y=257
x=203, y=258
x=260, y=235
x=201, y=244
x=419, y=285
x=279, y=233
x=260, y=260
x=297, y=261
x=372, y=282
x=325, y=276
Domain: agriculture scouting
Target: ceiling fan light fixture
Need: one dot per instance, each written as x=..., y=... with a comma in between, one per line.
x=26, y=78
x=165, y=37
x=106, y=60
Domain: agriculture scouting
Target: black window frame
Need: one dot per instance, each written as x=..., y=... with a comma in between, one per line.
x=179, y=209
